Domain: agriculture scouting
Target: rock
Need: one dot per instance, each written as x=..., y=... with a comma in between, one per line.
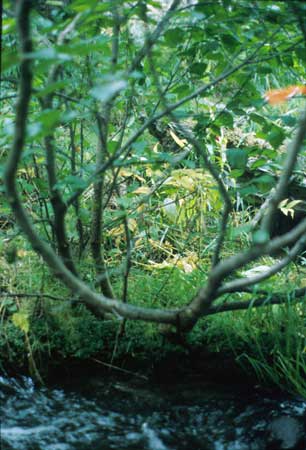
x=286, y=432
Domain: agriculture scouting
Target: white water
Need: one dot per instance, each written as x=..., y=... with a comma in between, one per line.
x=102, y=414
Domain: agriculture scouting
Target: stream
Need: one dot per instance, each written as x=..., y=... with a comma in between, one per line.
x=103, y=413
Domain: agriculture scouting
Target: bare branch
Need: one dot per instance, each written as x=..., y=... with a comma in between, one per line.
x=69, y=28
x=58, y=204
x=25, y=86
x=152, y=38
x=7, y=97
x=26, y=295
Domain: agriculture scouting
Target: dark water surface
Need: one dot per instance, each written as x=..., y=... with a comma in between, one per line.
x=98, y=413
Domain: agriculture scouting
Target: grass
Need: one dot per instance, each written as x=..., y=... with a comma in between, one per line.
x=269, y=341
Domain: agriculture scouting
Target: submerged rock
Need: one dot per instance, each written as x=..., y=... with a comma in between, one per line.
x=286, y=433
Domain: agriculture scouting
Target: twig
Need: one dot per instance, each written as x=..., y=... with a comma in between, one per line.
x=24, y=295
x=69, y=28
x=8, y=97
x=111, y=366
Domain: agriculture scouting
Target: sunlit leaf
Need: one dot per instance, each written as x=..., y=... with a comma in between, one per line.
x=21, y=321
x=180, y=142
x=287, y=207
x=142, y=190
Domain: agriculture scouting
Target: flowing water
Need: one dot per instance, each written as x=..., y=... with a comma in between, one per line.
x=101, y=413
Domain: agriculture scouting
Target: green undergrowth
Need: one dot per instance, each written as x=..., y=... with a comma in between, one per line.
x=39, y=334
x=269, y=342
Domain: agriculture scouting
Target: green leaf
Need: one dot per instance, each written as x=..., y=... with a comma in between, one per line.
x=27, y=187
x=258, y=119
x=55, y=3
x=9, y=60
x=69, y=116
x=229, y=40
x=139, y=146
x=236, y=173
x=270, y=153
x=198, y=68
x=74, y=182
x=171, y=37
x=105, y=91
x=276, y=137
x=237, y=158
x=51, y=88
x=182, y=114
x=258, y=163
x=264, y=179
x=182, y=89
x=264, y=69
x=225, y=120
x=47, y=120
x=34, y=129
x=300, y=53
x=288, y=120
x=87, y=46
x=260, y=237
x=9, y=25
x=49, y=53
x=112, y=146
x=82, y=5
x=125, y=202
x=248, y=190
x=237, y=231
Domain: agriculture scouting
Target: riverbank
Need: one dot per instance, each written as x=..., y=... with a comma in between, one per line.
x=140, y=351
x=68, y=342
x=48, y=336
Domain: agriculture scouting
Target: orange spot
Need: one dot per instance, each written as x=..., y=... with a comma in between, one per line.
x=276, y=96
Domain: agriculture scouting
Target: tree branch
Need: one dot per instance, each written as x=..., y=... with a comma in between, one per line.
x=298, y=296
x=152, y=38
x=98, y=303
x=242, y=283
x=25, y=295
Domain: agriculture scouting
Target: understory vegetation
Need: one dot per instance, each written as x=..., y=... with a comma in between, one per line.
x=153, y=193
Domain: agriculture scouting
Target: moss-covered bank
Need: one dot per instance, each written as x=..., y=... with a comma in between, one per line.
x=60, y=340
